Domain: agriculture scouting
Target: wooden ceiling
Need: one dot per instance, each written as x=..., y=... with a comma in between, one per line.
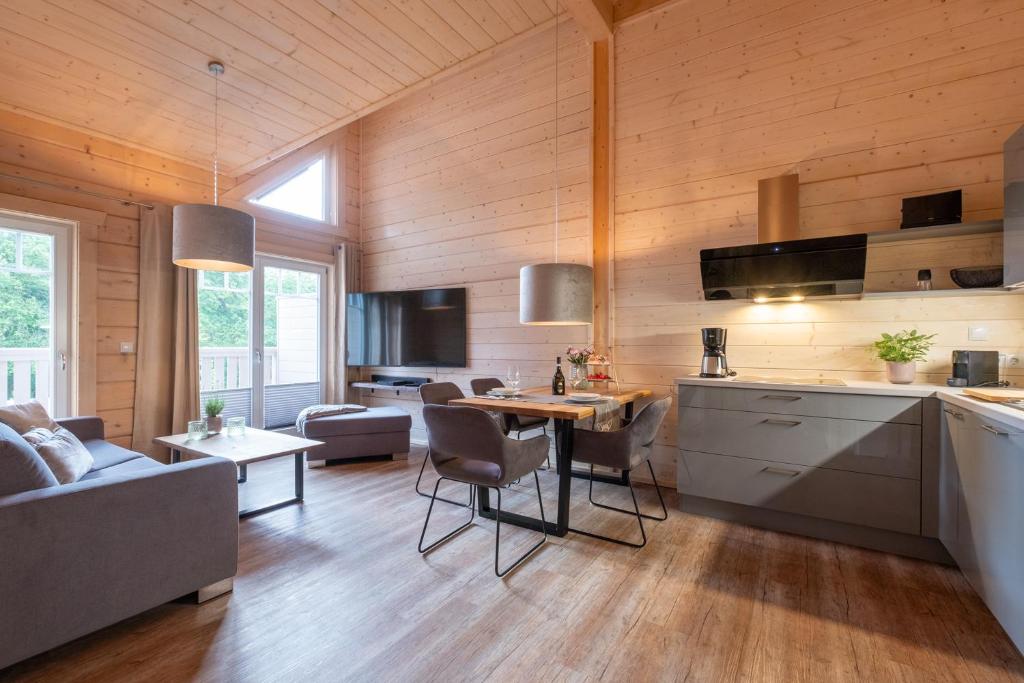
x=136, y=71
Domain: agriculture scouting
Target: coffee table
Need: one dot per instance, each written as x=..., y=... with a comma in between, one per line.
x=252, y=446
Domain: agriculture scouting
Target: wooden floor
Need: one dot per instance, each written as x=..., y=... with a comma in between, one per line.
x=335, y=590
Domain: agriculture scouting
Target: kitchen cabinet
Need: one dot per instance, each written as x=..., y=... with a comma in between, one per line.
x=845, y=459
x=981, y=508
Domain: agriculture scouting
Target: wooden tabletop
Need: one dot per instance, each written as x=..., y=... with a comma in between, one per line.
x=253, y=446
x=558, y=411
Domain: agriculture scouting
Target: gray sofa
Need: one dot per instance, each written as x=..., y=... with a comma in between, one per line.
x=132, y=534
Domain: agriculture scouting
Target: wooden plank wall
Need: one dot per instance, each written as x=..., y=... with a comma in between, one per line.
x=42, y=151
x=458, y=191
x=869, y=101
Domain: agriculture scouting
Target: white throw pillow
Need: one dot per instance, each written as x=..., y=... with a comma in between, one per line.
x=63, y=453
x=22, y=417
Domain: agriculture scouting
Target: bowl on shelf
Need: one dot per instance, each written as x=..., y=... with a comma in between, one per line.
x=977, y=276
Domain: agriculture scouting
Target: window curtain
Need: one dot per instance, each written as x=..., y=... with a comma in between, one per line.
x=346, y=278
x=167, y=360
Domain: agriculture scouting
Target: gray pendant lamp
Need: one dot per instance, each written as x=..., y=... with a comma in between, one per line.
x=209, y=236
x=556, y=293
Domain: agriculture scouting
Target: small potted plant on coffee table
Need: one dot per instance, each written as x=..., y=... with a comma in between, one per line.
x=214, y=407
x=901, y=351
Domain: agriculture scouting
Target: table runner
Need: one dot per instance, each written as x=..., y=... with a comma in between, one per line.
x=604, y=418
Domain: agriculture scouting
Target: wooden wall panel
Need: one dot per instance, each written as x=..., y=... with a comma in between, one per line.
x=32, y=149
x=869, y=102
x=457, y=190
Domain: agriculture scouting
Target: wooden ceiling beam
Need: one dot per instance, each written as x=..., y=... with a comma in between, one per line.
x=594, y=17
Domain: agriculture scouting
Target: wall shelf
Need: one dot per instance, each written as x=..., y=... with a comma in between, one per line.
x=373, y=388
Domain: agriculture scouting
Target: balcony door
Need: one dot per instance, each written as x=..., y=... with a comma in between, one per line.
x=261, y=344
x=35, y=295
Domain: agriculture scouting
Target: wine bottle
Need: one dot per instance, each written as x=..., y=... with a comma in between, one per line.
x=558, y=381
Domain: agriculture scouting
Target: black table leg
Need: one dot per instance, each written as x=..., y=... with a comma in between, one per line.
x=175, y=456
x=564, y=460
x=560, y=527
x=243, y=474
x=299, y=471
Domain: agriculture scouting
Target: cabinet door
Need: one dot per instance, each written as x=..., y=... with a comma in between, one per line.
x=990, y=463
x=949, y=477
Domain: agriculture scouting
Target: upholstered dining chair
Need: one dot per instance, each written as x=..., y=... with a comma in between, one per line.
x=466, y=445
x=512, y=423
x=439, y=393
x=626, y=449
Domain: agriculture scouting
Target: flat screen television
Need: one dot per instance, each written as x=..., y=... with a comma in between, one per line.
x=412, y=328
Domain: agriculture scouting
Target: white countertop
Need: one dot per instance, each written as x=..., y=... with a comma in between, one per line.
x=1012, y=417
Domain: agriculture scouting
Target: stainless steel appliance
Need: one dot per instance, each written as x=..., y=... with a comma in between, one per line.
x=786, y=271
x=975, y=369
x=714, y=364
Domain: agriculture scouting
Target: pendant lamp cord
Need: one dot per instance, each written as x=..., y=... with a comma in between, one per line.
x=558, y=9
x=216, y=139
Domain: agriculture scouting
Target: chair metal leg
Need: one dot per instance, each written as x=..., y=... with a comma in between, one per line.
x=472, y=515
x=497, y=534
x=664, y=510
x=639, y=518
x=472, y=489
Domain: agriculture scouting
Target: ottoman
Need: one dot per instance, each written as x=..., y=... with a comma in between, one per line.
x=377, y=431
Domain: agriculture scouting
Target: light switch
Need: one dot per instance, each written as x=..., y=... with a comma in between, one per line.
x=127, y=347
x=977, y=333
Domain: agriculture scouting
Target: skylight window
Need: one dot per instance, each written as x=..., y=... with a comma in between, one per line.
x=303, y=194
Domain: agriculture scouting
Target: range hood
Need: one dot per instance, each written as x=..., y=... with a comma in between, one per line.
x=786, y=271
x=781, y=267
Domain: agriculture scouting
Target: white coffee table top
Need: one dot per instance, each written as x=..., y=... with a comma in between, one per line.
x=253, y=446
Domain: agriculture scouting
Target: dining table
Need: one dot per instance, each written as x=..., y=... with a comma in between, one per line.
x=540, y=402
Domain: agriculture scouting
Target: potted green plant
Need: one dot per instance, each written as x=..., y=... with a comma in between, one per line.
x=901, y=351
x=214, y=407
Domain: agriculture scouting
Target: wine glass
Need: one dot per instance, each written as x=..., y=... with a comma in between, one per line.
x=512, y=376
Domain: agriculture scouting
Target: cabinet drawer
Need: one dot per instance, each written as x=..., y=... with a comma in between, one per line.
x=901, y=409
x=887, y=448
x=852, y=497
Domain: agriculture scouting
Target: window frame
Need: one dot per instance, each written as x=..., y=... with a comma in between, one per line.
x=288, y=172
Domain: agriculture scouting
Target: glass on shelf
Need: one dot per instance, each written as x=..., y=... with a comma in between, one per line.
x=197, y=430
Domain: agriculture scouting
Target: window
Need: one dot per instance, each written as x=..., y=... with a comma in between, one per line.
x=261, y=340
x=303, y=194
x=35, y=321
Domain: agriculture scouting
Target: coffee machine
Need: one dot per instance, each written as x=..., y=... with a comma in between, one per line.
x=975, y=369
x=713, y=364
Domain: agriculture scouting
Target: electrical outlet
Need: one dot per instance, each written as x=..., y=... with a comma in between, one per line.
x=1011, y=360
x=979, y=333
x=127, y=347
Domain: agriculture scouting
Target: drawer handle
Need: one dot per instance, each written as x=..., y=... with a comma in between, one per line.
x=995, y=431
x=784, y=423
x=781, y=397
x=781, y=470
x=954, y=413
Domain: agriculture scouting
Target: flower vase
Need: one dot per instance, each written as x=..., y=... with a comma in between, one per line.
x=578, y=377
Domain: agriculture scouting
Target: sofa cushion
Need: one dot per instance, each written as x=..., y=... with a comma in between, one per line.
x=372, y=421
x=106, y=454
x=124, y=467
x=22, y=417
x=64, y=454
x=21, y=468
